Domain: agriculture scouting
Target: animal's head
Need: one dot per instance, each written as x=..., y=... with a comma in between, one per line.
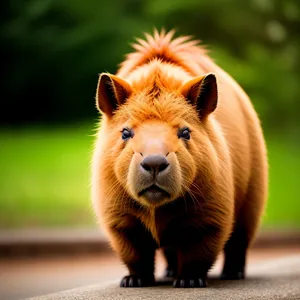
x=157, y=137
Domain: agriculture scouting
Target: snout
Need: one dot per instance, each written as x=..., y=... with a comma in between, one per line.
x=153, y=169
x=154, y=179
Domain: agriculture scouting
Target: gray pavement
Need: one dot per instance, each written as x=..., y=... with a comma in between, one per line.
x=275, y=279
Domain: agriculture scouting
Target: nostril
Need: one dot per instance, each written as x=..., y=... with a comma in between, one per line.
x=163, y=166
x=146, y=166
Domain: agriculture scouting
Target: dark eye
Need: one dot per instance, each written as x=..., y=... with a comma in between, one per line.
x=184, y=133
x=126, y=134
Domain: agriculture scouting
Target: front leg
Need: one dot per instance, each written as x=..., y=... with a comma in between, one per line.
x=196, y=246
x=192, y=267
x=171, y=258
x=136, y=248
x=195, y=258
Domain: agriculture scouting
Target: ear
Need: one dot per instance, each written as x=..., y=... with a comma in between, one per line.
x=202, y=92
x=112, y=91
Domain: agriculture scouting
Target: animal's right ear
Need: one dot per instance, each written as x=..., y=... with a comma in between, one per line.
x=112, y=91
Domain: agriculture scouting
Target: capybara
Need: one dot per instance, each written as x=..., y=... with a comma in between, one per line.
x=180, y=163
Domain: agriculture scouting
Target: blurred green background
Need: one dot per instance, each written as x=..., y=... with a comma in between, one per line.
x=51, y=54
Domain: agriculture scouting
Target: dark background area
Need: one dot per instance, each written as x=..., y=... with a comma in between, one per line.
x=54, y=50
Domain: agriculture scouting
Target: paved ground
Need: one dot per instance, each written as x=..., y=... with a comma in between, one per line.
x=20, y=278
x=277, y=279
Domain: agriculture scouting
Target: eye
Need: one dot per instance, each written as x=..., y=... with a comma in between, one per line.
x=126, y=134
x=184, y=133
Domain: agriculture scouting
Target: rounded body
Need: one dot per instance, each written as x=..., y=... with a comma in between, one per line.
x=216, y=175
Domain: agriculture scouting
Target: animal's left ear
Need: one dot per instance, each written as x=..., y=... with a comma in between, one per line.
x=202, y=92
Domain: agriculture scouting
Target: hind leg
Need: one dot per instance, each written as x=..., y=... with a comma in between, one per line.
x=235, y=255
x=171, y=258
x=247, y=222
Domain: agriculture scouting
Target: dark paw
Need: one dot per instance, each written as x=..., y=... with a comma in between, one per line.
x=136, y=281
x=190, y=283
x=233, y=276
x=170, y=273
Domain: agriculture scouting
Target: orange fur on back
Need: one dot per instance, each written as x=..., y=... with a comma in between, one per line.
x=222, y=171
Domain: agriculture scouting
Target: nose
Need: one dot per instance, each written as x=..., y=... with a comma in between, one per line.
x=154, y=164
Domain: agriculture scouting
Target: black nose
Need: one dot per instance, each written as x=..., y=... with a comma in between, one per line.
x=154, y=164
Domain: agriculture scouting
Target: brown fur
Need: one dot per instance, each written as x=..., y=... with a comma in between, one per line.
x=218, y=180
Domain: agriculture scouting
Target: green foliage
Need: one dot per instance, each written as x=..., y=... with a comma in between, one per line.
x=44, y=178
x=283, y=207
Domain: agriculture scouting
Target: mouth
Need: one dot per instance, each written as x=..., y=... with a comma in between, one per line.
x=154, y=193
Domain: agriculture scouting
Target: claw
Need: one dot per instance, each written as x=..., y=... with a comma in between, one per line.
x=233, y=276
x=170, y=273
x=136, y=281
x=189, y=283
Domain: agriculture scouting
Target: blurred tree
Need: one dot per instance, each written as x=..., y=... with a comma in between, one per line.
x=52, y=51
